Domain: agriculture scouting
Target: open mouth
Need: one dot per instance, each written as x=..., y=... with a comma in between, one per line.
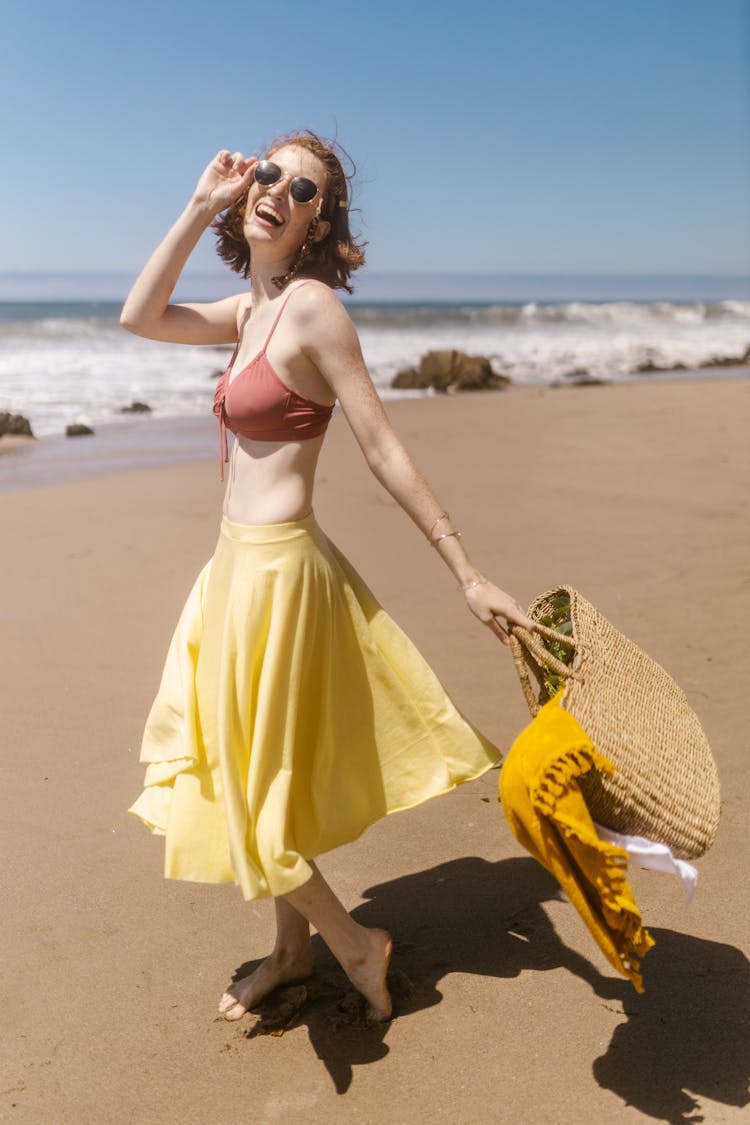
x=268, y=214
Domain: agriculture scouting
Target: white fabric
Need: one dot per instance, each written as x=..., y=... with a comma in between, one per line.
x=656, y=857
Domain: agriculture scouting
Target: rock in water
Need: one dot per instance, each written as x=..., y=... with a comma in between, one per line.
x=728, y=360
x=77, y=429
x=449, y=371
x=136, y=408
x=15, y=424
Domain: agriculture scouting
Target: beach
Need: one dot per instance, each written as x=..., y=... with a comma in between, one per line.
x=505, y=1011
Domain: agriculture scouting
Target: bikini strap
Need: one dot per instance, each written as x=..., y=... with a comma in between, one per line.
x=230, y=365
x=284, y=300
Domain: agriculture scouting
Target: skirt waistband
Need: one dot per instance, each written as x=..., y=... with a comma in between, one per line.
x=270, y=532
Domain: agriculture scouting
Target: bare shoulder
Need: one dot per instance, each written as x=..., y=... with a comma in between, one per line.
x=327, y=336
x=317, y=310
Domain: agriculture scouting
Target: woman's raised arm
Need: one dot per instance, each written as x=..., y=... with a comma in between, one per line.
x=147, y=311
x=332, y=343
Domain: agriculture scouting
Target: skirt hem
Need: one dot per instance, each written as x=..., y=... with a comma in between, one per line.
x=214, y=880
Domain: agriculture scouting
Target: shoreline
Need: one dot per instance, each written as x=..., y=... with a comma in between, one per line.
x=149, y=442
x=116, y=448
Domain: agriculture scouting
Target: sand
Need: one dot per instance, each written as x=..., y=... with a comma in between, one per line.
x=505, y=1010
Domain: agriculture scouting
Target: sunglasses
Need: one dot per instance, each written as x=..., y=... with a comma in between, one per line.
x=301, y=189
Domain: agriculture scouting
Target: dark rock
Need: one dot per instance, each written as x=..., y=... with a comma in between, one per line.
x=728, y=360
x=15, y=424
x=217, y=374
x=77, y=429
x=136, y=408
x=409, y=379
x=584, y=380
x=450, y=370
x=649, y=367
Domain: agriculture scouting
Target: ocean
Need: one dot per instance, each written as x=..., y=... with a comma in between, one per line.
x=65, y=359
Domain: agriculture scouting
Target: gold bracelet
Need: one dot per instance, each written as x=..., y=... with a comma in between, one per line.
x=480, y=581
x=446, y=535
x=437, y=521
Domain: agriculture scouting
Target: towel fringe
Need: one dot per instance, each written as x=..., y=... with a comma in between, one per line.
x=590, y=869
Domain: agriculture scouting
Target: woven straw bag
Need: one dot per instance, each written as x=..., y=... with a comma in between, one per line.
x=665, y=786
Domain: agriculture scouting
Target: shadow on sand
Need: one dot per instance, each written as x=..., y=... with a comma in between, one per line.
x=689, y=1032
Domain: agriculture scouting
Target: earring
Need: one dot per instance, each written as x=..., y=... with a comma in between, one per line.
x=302, y=253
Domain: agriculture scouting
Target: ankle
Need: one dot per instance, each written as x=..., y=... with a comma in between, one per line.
x=368, y=942
x=286, y=951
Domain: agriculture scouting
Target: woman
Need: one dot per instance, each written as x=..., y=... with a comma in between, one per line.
x=292, y=711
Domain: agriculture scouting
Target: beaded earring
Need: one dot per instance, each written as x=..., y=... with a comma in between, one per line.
x=284, y=279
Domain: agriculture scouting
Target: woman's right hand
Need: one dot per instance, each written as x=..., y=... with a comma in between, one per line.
x=224, y=180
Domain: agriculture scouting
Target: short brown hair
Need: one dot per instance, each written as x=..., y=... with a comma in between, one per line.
x=334, y=258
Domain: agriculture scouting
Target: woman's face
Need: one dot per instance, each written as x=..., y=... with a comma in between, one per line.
x=272, y=216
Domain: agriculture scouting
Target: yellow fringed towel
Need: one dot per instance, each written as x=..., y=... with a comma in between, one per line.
x=542, y=800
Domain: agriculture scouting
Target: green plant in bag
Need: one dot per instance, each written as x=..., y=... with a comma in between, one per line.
x=558, y=619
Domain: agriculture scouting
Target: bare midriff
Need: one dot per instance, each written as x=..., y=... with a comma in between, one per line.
x=271, y=481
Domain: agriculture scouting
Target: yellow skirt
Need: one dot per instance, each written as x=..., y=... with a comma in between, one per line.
x=292, y=713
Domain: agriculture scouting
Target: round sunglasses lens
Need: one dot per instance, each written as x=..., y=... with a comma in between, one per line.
x=303, y=191
x=266, y=172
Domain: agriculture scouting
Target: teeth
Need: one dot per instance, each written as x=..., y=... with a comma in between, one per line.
x=267, y=212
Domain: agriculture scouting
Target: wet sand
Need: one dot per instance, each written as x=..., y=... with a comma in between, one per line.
x=505, y=1011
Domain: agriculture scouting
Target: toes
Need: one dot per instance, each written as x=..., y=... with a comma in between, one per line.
x=235, y=1013
x=379, y=1006
x=378, y=1015
x=227, y=1001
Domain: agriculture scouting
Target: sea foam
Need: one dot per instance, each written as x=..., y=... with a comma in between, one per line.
x=69, y=362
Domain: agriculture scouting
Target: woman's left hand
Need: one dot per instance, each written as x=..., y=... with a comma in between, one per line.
x=496, y=609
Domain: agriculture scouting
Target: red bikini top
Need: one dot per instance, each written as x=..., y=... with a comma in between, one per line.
x=258, y=405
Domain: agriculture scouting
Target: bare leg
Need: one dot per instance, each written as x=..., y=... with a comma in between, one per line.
x=362, y=953
x=290, y=961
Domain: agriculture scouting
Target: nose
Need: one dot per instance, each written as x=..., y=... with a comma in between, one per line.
x=281, y=186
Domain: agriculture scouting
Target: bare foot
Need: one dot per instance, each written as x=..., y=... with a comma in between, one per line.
x=280, y=968
x=368, y=972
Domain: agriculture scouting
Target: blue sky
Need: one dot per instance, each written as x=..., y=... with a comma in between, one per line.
x=588, y=136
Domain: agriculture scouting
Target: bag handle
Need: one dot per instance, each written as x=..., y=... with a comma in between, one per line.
x=527, y=649
x=519, y=663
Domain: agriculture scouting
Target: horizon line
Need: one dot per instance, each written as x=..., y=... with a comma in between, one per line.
x=478, y=275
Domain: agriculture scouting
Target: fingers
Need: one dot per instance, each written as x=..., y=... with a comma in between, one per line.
x=497, y=610
x=499, y=629
x=226, y=157
x=516, y=616
x=500, y=625
x=500, y=621
x=235, y=162
x=247, y=175
x=525, y=622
